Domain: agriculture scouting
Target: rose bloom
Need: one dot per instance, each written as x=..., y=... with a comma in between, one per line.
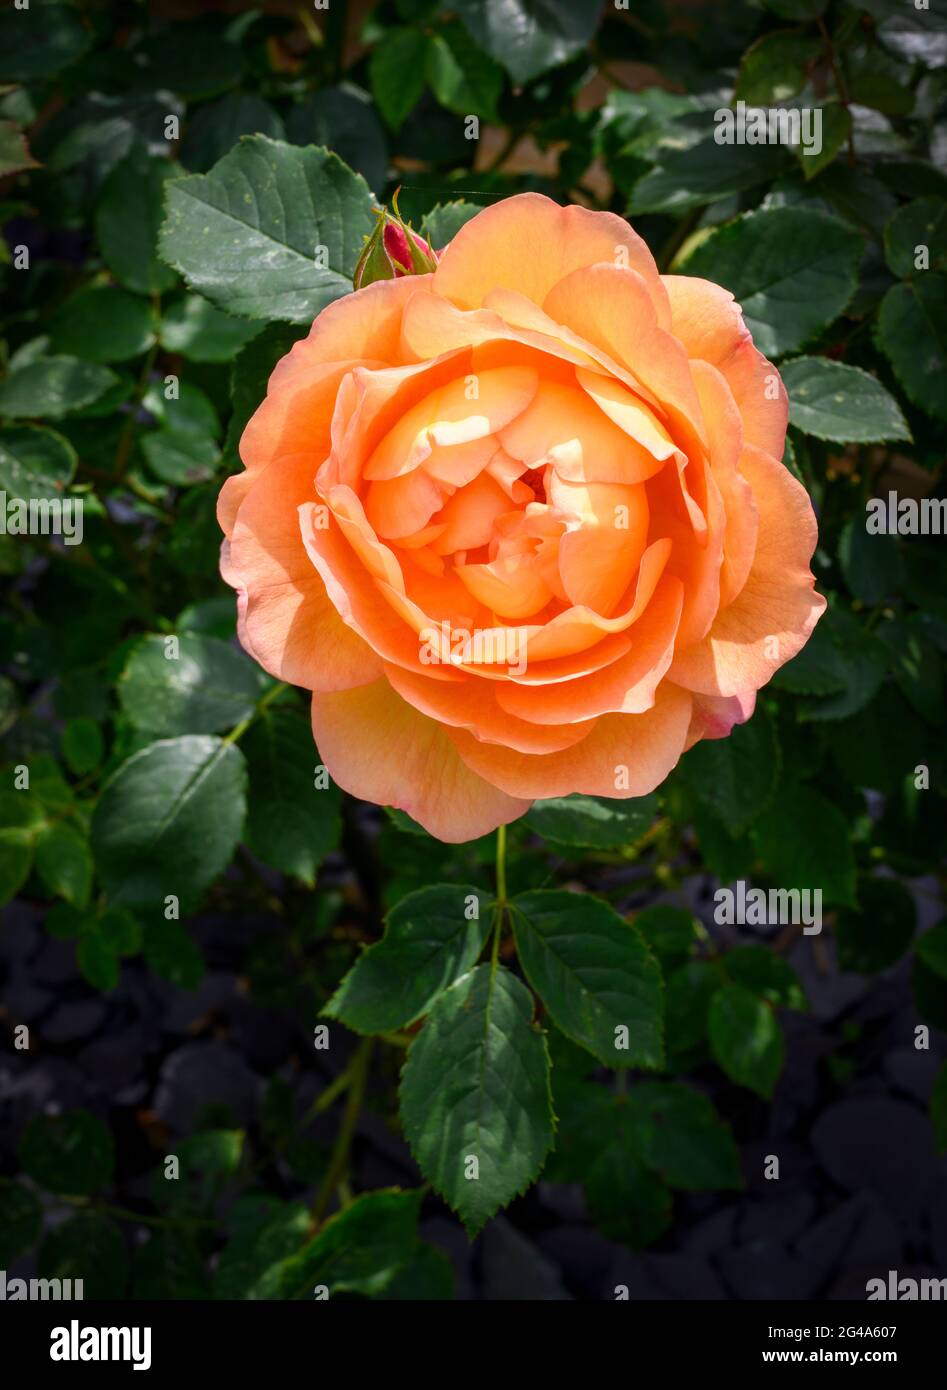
x=521, y=525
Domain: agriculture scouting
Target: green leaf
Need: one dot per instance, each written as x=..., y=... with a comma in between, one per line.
x=102, y=323
x=360, y=1250
x=912, y=333
x=292, y=823
x=343, y=119
x=919, y=225
x=930, y=993
x=35, y=462
x=398, y=74
x=14, y=151
x=21, y=1220
x=98, y=962
x=53, y=387
x=669, y=932
x=774, y=67
x=871, y=564
x=49, y=786
x=188, y=411
x=216, y=127
x=64, y=862
x=475, y=1086
x=461, y=75
x=193, y=60
x=206, y=685
x=210, y=1161
x=792, y=271
x=627, y=1201
x=746, y=1038
x=272, y=232
x=169, y=819
x=727, y=856
x=128, y=218
x=20, y=820
x=443, y=222
x=879, y=931
x=71, y=1153
x=214, y=617
x=804, y=842
x=917, y=666
x=687, y=1001
x=201, y=333
x=264, y=1231
x=92, y=134
x=833, y=401
x=767, y=975
x=431, y=939
x=857, y=656
x=427, y=1275
x=103, y=941
x=402, y=821
x=583, y=1111
x=819, y=669
x=932, y=944
x=594, y=973
x=939, y=1109
x=876, y=747
x=704, y=173
x=83, y=746
x=682, y=1138
x=592, y=822
x=121, y=929
x=736, y=776
x=181, y=457
x=171, y=953
x=528, y=37
x=37, y=42
x=836, y=129
x=88, y=1247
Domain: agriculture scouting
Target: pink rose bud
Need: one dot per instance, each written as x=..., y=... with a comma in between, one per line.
x=399, y=249
x=392, y=251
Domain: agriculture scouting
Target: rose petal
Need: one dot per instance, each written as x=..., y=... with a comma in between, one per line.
x=377, y=747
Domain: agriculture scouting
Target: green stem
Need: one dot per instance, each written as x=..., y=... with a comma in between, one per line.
x=501, y=865
x=500, y=905
x=126, y=1214
x=839, y=82
x=240, y=729
x=340, y=1154
x=677, y=238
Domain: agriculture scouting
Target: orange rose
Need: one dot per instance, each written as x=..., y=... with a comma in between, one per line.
x=521, y=524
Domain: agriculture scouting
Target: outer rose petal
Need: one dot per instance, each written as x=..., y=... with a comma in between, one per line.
x=714, y=716
x=286, y=620
x=527, y=243
x=725, y=432
x=771, y=618
x=710, y=324
x=378, y=748
x=362, y=329
x=647, y=745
